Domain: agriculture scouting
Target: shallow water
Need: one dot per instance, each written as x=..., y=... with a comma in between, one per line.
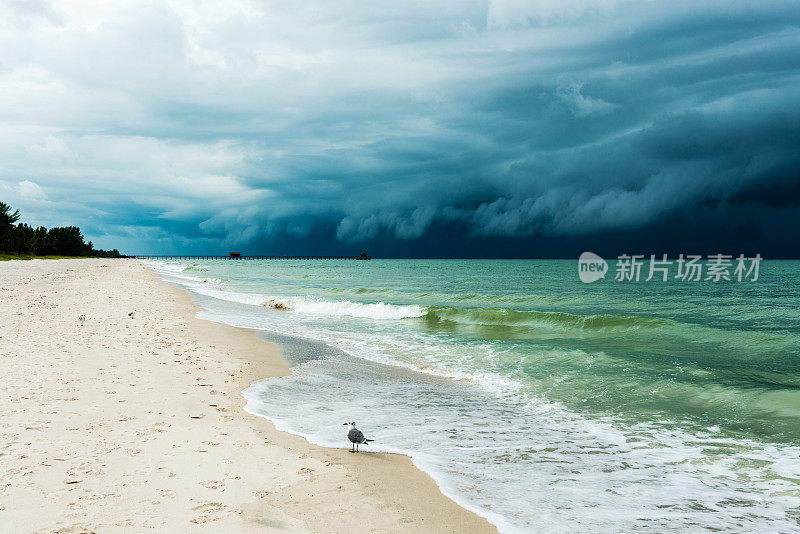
x=538, y=401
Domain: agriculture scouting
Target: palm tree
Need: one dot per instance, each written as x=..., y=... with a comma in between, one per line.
x=6, y=217
x=7, y=220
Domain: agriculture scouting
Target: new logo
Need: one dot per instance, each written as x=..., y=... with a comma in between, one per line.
x=591, y=267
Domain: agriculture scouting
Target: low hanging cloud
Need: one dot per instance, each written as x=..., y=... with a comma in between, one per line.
x=402, y=225
x=178, y=127
x=31, y=191
x=581, y=105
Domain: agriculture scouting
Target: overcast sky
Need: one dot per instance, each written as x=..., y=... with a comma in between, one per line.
x=418, y=128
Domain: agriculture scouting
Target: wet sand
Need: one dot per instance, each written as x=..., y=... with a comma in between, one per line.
x=132, y=424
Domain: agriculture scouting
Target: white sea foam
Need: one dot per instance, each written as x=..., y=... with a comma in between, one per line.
x=296, y=304
x=525, y=462
x=311, y=306
x=352, y=345
x=537, y=470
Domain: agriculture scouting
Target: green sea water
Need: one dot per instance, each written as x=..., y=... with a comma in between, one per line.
x=645, y=406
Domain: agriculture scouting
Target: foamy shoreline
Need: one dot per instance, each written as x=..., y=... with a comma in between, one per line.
x=138, y=424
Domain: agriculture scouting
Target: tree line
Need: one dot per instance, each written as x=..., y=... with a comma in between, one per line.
x=22, y=239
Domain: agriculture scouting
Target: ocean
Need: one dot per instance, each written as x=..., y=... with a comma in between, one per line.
x=535, y=400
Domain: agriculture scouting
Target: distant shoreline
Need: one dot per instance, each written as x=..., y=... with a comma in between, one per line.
x=27, y=257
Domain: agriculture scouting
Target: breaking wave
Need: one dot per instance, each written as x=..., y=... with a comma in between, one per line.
x=347, y=308
x=557, y=320
x=433, y=316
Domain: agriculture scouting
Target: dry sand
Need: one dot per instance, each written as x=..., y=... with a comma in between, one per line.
x=137, y=424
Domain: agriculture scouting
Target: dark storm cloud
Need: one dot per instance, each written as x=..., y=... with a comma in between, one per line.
x=499, y=128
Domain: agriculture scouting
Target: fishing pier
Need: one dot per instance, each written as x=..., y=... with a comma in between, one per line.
x=239, y=256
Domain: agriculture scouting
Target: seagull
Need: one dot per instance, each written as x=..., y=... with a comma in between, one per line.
x=81, y=319
x=131, y=314
x=356, y=437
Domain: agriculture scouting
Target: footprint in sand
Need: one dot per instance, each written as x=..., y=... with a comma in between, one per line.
x=209, y=511
x=209, y=507
x=74, y=529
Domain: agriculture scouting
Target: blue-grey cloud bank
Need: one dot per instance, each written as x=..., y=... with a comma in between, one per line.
x=502, y=128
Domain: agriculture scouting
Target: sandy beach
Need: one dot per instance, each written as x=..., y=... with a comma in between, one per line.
x=136, y=424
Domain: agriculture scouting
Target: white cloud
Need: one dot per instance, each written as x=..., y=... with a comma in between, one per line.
x=31, y=191
x=503, y=14
x=52, y=148
x=581, y=105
